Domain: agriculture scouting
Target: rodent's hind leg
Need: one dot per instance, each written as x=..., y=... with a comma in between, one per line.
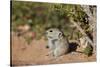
x=57, y=53
x=47, y=46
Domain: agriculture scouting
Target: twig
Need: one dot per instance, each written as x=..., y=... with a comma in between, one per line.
x=82, y=31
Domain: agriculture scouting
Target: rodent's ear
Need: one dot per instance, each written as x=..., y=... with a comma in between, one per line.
x=60, y=35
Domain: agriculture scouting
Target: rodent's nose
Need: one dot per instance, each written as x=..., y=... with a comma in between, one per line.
x=45, y=33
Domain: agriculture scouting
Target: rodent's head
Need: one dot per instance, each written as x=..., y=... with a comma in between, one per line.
x=54, y=33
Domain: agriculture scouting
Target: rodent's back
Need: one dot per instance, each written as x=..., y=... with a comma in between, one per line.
x=63, y=44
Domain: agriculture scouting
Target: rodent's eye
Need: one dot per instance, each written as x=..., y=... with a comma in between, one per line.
x=51, y=31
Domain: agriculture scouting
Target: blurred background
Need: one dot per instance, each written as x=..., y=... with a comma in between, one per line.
x=40, y=16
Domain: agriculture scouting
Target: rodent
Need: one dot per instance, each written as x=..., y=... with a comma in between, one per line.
x=57, y=42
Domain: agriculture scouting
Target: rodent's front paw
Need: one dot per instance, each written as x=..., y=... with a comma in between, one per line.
x=47, y=46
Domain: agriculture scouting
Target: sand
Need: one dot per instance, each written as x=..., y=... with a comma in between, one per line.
x=36, y=54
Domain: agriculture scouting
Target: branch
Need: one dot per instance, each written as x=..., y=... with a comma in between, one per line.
x=92, y=21
x=91, y=18
x=87, y=10
x=82, y=31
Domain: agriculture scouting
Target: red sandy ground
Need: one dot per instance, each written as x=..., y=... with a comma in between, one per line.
x=35, y=54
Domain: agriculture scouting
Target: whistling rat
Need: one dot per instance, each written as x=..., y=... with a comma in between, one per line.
x=57, y=42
